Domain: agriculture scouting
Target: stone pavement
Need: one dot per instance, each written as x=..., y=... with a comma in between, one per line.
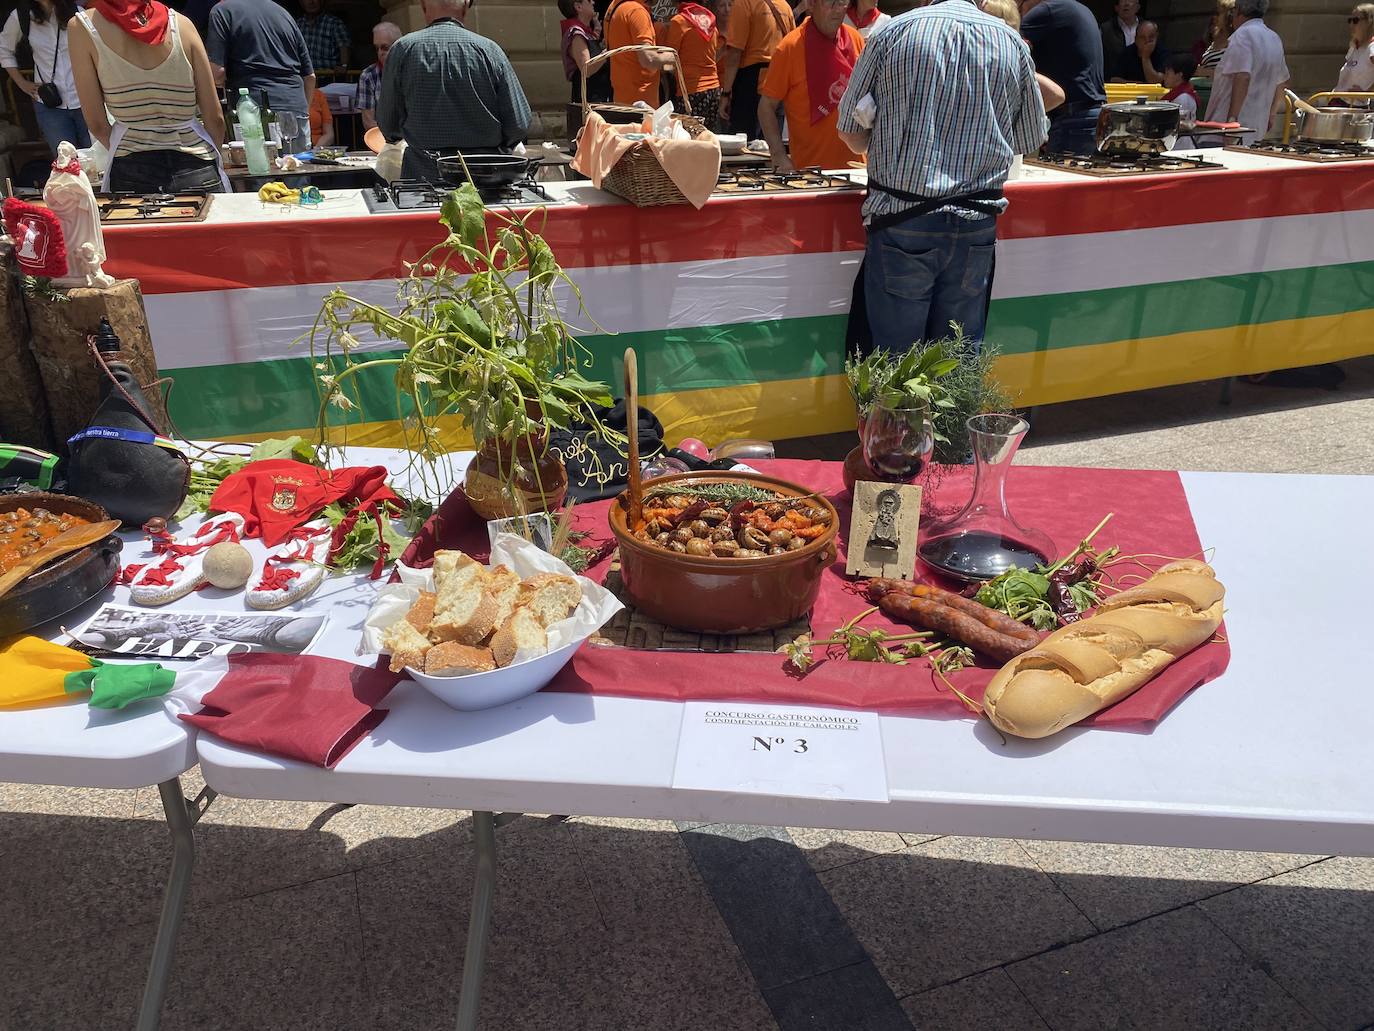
x=308, y=916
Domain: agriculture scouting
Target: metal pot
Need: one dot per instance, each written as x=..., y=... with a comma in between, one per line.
x=1141, y=127
x=487, y=171
x=1328, y=124
x=723, y=595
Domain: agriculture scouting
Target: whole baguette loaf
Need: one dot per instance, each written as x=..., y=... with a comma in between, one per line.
x=1089, y=665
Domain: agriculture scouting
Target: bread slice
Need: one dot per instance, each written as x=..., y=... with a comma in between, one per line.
x=504, y=588
x=550, y=596
x=421, y=614
x=521, y=630
x=406, y=645
x=452, y=659
x=464, y=610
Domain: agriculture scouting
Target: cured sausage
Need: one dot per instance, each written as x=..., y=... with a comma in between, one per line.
x=948, y=620
x=990, y=618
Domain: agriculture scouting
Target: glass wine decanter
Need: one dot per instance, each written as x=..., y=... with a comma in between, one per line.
x=983, y=540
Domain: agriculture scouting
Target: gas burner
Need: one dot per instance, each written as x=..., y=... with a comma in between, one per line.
x=423, y=195
x=121, y=208
x=1115, y=165
x=766, y=180
x=1311, y=150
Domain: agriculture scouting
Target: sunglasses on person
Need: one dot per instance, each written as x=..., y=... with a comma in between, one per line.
x=1355, y=19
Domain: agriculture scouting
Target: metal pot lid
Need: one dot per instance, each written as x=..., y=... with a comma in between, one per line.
x=1141, y=104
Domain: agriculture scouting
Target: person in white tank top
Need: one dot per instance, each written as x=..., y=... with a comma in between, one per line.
x=148, y=67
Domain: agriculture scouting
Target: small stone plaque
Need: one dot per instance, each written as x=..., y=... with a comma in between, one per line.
x=882, y=530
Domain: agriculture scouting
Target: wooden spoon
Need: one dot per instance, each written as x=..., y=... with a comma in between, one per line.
x=64, y=543
x=635, y=492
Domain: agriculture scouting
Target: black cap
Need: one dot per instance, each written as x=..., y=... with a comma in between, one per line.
x=105, y=339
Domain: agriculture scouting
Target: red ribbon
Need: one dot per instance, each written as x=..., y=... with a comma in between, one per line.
x=159, y=575
x=276, y=578
x=72, y=167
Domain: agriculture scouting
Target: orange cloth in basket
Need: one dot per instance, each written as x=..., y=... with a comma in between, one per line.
x=692, y=165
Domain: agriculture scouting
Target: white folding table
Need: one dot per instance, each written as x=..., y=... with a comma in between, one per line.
x=77, y=746
x=1273, y=756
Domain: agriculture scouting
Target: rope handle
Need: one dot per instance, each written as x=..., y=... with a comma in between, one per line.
x=636, y=48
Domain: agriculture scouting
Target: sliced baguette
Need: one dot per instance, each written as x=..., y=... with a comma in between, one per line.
x=550, y=596
x=504, y=588
x=452, y=659
x=464, y=610
x=421, y=614
x=521, y=630
x=406, y=644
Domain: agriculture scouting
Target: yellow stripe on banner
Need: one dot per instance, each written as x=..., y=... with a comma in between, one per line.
x=772, y=411
x=805, y=407
x=1097, y=370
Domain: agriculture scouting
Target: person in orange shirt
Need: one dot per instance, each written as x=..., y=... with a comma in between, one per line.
x=634, y=76
x=692, y=33
x=755, y=28
x=321, y=121
x=808, y=75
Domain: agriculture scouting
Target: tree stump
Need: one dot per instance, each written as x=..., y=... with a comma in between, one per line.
x=23, y=407
x=71, y=378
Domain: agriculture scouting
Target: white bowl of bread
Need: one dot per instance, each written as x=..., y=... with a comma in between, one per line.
x=478, y=636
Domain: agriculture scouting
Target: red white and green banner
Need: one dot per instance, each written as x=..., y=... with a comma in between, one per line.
x=737, y=311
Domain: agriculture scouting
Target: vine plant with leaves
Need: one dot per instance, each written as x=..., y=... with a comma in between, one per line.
x=484, y=338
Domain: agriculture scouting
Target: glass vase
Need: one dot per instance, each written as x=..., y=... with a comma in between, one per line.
x=983, y=539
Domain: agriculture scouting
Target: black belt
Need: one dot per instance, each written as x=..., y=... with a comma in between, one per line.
x=982, y=202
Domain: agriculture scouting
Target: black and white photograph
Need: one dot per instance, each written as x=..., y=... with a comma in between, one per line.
x=119, y=630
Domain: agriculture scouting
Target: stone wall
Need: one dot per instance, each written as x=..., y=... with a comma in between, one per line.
x=1314, y=32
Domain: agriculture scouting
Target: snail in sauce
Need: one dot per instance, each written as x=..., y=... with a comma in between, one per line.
x=728, y=526
x=23, y=531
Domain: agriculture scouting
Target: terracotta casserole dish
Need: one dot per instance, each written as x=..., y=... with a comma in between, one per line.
x=723, y=595
x=65, y=583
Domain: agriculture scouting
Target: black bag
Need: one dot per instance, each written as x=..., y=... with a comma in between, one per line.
x=596, y=468
x=48, y=93
x=122, y=461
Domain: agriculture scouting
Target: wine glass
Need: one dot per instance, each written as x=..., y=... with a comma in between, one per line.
x=898, y=443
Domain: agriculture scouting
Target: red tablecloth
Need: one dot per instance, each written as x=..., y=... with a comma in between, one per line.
x=1151, y=517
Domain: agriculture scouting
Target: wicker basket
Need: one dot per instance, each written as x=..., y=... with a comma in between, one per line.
x=637, y=176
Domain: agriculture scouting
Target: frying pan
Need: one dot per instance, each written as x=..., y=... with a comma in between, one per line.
x=488, y=171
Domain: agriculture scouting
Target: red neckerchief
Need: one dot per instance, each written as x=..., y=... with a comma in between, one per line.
x=868, y=19
x=145, y=20
x=699, y=18
x=72, y=167
x=277, y=495
x=1179, y=90
x=829, y=63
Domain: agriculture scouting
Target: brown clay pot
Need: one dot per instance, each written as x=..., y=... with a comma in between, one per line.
x=539, y=486
x=856, y=469
x=723, y=595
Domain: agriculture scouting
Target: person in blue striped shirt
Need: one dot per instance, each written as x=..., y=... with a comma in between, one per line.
x=941, y=101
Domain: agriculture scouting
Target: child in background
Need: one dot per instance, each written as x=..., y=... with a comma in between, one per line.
x=1178, y=70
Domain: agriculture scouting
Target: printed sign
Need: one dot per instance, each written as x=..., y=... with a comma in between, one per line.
x=790, y=750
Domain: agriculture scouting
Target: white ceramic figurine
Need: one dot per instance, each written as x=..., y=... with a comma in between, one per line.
x=72, y=200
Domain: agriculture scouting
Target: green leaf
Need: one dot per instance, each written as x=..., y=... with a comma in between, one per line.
x=294, y=447
x=465, y=215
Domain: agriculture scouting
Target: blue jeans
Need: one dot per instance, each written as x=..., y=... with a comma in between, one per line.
x=61, y=125
x=1074, y=133
x=926, y=273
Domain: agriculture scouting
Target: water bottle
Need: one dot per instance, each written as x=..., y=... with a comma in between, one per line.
x=250, y=121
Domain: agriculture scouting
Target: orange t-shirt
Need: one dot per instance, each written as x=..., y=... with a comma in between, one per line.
x=630, y=24
x=697, y=56
x=754, y=30
x=320, y=116
x=808, y=145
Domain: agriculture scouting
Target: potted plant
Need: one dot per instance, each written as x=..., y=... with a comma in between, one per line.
x=482, y=338
x=951, y=378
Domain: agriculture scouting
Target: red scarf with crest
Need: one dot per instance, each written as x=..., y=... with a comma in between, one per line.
x=829, y=63
x=699, y=18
